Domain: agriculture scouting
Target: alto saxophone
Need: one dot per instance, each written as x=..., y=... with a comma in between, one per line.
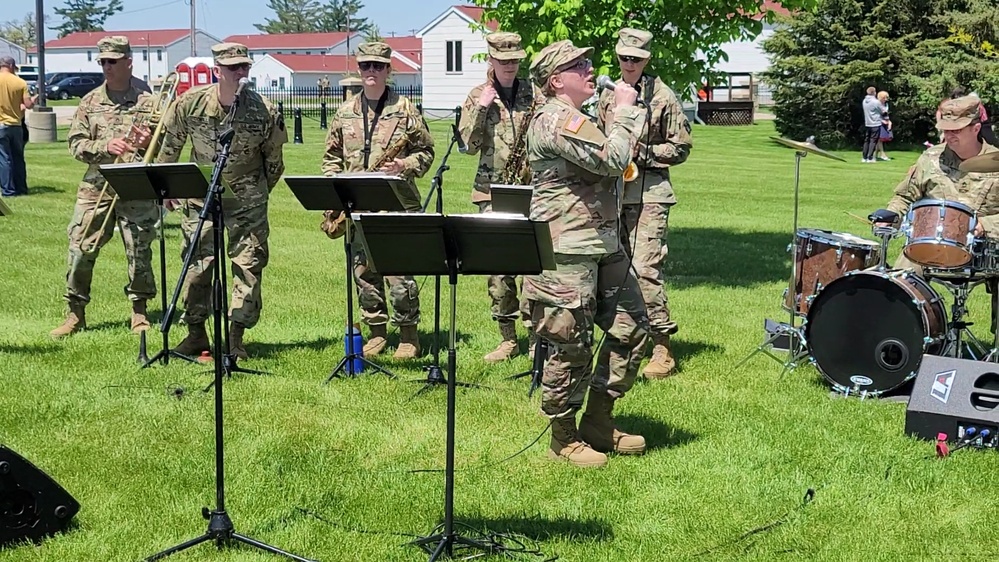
x=336, y=226
x=515, y=164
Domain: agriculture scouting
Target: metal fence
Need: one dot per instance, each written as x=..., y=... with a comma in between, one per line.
x=312, y=99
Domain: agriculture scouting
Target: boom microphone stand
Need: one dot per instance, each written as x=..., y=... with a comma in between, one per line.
x=220, y=527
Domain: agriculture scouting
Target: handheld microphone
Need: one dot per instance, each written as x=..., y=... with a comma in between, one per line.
x=242, y=84
x=605, y=83
x=462, y=147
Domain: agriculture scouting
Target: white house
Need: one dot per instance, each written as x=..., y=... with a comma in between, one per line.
x=260, y=44
x=155, y=52
x=449, y=43
x=17, y=52
x=281, y=72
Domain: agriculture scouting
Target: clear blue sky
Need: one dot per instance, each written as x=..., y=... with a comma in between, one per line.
x=229, y=17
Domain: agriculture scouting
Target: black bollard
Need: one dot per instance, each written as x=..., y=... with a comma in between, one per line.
x=298, y=125
x=281, y=108
x=322, y=116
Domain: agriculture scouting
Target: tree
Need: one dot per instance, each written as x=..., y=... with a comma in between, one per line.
x=293, y=16
x=681, y=29
x=23, y=32
x=373, y=34
x=341, y=15
x=85, y=15
x=825, y=60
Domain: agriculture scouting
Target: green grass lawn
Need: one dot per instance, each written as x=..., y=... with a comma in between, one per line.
x=327, y=471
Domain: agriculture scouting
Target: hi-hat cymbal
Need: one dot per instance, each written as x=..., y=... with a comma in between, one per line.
x=986, y=163
x=807, y=147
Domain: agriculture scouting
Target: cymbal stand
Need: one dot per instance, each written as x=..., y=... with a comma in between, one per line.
x=973, y=348
x=797, y=348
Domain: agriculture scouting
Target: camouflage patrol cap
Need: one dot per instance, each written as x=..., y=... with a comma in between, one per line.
x=231, y=53
x=549, y=59
x=113, y=47
x=958, y=113
x=505, y=46
x=374, y=51
x=633, y=42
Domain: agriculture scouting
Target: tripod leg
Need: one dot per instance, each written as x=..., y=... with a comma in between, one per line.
x=182, y=546
x=267, y=548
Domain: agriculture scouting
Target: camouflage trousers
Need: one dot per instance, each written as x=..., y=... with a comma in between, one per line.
x=503, y=291
x=403, y=291
x=991, y=286
x=246, y=246
x=586, y=291
x=646, y=227
x=136, y=221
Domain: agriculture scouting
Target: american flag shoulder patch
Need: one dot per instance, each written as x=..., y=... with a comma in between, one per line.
x=575, y=123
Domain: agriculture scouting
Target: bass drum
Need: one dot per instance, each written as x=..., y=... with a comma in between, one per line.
x=868, y=330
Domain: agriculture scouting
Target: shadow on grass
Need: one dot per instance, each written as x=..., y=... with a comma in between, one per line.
x=685, y=349
x=267, y=350
x=717, y=256
x=657, y=434
x=28, y=348
x=39, y=189
x=535, y=527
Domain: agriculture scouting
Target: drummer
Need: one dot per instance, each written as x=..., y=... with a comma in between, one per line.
x=935, y=175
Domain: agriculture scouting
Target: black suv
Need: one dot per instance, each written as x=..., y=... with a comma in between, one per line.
x=75, y=87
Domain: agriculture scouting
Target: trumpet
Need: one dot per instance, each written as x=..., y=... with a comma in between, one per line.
x=164, y=97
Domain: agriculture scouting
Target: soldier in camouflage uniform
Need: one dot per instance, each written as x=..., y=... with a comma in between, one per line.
x=371, y=123
x=935, y=175
x=649, y=197
x=254, y=167
x=108, y=125
x=575, y=169
x=494, y=118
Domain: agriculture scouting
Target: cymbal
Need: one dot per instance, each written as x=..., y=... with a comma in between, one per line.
x=988, y=162
x=807, y=147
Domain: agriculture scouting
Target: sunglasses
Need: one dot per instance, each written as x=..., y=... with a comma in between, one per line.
x=580, y=65
x=623, y=58
x=368, y=65
x=235, y=67
x=109, y=62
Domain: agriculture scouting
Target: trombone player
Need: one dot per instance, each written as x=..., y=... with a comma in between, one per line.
x=110, y=125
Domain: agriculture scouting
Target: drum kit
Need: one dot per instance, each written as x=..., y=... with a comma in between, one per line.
x=866, y=326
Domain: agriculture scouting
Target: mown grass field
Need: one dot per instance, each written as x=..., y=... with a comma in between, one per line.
x=338, y=472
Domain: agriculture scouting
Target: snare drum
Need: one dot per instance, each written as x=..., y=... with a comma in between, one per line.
x=939, y=233
x=823, y=256
x=868, y=330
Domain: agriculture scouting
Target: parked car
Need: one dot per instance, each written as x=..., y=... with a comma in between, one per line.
x=75, y=87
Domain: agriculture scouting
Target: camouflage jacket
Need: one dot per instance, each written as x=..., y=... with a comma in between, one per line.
x=492, y=131
x=256, y=156
x=575, y=169
x=935, y=175
x=97, y=120
x=400, y=119
x=670, y=141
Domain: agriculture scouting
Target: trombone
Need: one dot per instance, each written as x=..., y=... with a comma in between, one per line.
x=165, y=95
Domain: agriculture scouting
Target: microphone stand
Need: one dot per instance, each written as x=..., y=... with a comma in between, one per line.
x=220, y=526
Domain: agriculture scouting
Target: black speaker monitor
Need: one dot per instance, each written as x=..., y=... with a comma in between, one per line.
x=950, y=395
x=32, y=505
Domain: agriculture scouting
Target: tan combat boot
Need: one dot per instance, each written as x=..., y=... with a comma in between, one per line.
x=236, y=340
x=377, y=342
x=597, y=429
x=196, y=341
x=662, y=363
x=508, y=347
x=140, y=322
x=409, y=343
x=566, y=445
x=76, y=320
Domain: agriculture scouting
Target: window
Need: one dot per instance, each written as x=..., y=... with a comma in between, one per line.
x=145, y=54
x=454, y=56
x=90, y=56
x=159, y=55
x=145, y=78
x=31, y=59
x=281, y=83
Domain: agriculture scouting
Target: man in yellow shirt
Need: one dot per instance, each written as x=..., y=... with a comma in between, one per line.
x=14, y=99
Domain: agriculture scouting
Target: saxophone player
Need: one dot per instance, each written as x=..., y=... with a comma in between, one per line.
x=494, y=120
x=380, y=131
x=648, y=197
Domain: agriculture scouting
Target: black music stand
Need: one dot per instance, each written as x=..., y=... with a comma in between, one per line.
x=349, y=192
x=143, y=182
x=514, y=199
x=486, y=244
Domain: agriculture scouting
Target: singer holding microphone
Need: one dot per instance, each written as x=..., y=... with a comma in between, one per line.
x=493, y=124
x=664, y=141
x=575, y=168
x=255, y=164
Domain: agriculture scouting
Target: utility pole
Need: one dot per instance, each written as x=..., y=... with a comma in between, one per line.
x=194, y=20
x=346, y=59
x=40, y=49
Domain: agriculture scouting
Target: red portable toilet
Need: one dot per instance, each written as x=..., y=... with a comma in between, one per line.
x=194, y=71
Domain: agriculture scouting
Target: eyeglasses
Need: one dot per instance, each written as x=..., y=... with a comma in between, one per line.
x=506, y=62
x=369, y=65
x=110, y=62
x=235, y=67
x=633, y=60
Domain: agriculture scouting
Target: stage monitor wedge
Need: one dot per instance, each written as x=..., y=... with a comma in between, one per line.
x=32, y=505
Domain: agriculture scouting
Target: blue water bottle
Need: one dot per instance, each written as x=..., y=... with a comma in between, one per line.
x=354, y=340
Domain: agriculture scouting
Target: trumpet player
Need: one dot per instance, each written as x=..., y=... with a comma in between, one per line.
x=493, y=124
x=648, y=196
x=255, y=165
x=107, y=127
x=380, y=131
